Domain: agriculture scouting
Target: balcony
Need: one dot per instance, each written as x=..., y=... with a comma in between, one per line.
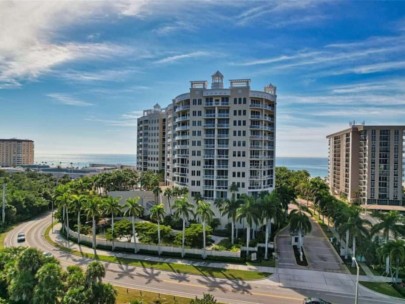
x=208, y=187
x=182, y=118
x=209, y=125
x=182, y=108
x=224, y=177
x=208, y=176
x=208, y=166
x=223, y=115
x=181, y=156
x=223, y=135
x=209, y=156
x=182, y=128
x=181, y=147
x=209, y=146
x=223, y=126
x=222, y=156
x=223, y=146
x=221, y=187
x=209, y=115
x=210, y=135
x=222, y=166
x=180, y=137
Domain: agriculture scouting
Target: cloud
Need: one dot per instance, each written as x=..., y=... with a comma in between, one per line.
x=29, y=36
x=171, y=59
x=125, y=120
x=68, y=100
x=102, y=75
x=279, y=10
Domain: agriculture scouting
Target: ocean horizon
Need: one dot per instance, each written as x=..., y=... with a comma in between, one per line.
x=316, y=166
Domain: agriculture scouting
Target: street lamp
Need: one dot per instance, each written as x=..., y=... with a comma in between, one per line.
x=356, y=299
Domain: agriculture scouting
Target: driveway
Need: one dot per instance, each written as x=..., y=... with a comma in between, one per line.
x=319, y=252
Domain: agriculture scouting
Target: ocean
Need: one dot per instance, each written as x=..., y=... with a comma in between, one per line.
x=315, y=166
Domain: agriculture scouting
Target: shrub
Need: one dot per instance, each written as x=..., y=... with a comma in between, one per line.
x=147, y=233
x=194, y=236
x=206, y=299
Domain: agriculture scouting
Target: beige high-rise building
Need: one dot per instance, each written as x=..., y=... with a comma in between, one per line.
x=215, y=137
x=151, y=135
x=16, y=152
x=366, y=164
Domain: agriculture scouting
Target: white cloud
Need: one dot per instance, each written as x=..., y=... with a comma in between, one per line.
x=68, y=100
x=103, y=75
x=29, y=35
x=175, y=58
x=125, y=120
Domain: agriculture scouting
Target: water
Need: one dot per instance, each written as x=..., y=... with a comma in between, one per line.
x=83, y=160
x=315, y=166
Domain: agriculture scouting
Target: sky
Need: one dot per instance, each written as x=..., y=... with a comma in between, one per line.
x=75, y=75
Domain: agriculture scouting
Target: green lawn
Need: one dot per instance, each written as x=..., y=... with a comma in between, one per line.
x=126, y=295
x=383, y=288
x=177, y=268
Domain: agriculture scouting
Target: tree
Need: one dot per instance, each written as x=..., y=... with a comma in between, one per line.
x=156, y=191
x=205, y=214
x=157, y=213
x=95, y=272
x=206, y=299
x=247, y=212
x=134, y=209
x=390, y=224
x=169, y=194
x=50, y=286
x=356, y=227
x=300, y=222
x=229, y=208
x=112, y=206
x=395, y=250
x=78, y=201
x=92, y=209
x=270, y=206
x=183, y=209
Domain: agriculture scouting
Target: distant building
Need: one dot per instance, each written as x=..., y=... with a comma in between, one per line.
x=212, y=137
x=366, y=164
x=16, y=152
x=151, y=140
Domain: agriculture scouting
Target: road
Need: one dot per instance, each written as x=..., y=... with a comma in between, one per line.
x=285, y=286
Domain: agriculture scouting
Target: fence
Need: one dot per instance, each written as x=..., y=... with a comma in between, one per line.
x=154, y=248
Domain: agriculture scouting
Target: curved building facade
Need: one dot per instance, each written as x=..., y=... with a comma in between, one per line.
x=223, y=137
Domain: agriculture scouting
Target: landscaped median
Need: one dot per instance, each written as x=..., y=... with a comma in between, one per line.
x=232, y=274
x=384, y=288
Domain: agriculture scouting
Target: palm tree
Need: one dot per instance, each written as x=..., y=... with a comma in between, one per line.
x=78, y=201
x=356, y=226
x=92, y=209
x=390, y=224
x=169, y=194
x=112, y=206
x=156, y=191
x=157, y=213
x=183, y=209
x=205, y=213
x=270, y=205
x=247, y=212
x=395, y=250
x=134, y=209
x=229, y=208
x=299, y=221
x=341, y=218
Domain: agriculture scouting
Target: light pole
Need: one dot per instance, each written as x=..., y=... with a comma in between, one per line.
x=356, y=299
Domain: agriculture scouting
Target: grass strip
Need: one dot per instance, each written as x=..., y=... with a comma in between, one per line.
x=4, y=234
x=231, y=274
x=383, y=288
x=126, y=295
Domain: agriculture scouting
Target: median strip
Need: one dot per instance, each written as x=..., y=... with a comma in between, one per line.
x=231, y=274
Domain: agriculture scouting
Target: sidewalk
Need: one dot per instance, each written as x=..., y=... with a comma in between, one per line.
x=277, y=272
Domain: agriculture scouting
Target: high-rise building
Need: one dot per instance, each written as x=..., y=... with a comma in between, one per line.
x=366, y=164
x=16, y=152
x=217, y=137
x=151, y=135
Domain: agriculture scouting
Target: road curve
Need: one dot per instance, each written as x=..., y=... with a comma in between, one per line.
x=180, y=284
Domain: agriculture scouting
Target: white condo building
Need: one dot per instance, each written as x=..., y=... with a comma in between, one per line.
x=215, y=137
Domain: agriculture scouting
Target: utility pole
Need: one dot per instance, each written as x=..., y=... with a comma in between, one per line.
x=3, y=215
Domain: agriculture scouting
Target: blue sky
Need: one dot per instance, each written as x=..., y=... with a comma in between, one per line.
x=75, y=75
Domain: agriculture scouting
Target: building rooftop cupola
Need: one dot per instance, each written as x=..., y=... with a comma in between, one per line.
x=217, y=80
x=157, y=107
x=271, y=89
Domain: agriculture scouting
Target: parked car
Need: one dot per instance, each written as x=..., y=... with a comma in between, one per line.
x=48, y=254
x=21, y=237
x=315, y=301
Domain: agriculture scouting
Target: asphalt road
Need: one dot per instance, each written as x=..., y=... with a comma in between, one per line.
x=270, y=290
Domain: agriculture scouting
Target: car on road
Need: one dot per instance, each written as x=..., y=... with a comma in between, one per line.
x=21, y=237
x=315, y=301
